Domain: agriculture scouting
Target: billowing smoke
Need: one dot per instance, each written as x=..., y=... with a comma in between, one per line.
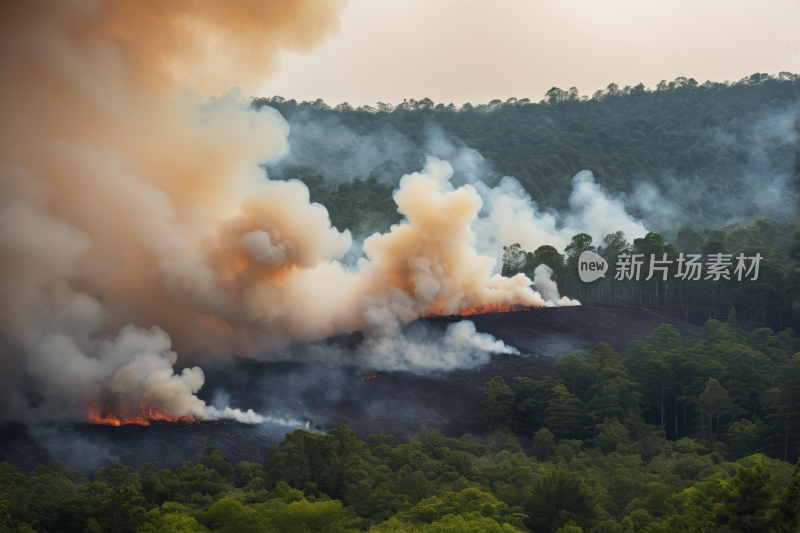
x=508, y=215
x=544, y=285
x=511, y=216
x=136, y=223
x=431, y=262
x=420, y=350
x=120, y=192
x=597, y=214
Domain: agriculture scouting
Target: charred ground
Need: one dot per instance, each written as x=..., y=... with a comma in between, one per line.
x=292, y=393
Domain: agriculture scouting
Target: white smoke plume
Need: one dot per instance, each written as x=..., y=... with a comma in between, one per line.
x=250, y=417
x=544, y=285
x=421, y=351
x=508, y=214
x=511, y=216
x=594, y=212
x=220, y=408
x=431, y=259
x=419, y=347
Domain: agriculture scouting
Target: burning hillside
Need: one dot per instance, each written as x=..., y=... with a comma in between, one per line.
x=480, y=310
x=398, y=402
x=144, y=417
x=136, y=222
x=377, y=374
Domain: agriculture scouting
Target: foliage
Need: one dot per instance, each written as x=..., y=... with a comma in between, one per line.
x=706, y=144
x=772, y=300
x=667, y=436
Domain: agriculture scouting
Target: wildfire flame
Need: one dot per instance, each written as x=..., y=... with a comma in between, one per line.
x=479, y=310
x=378, y=373
x=145, y=417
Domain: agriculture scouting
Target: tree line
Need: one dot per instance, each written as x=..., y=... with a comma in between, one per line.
x=770, y=299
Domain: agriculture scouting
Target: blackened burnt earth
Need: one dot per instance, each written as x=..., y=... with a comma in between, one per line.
x=87, y=447
x=557, y=331
x=293, y=393
x=451, y=401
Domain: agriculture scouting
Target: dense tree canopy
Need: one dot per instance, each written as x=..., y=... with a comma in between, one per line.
x=710, y=148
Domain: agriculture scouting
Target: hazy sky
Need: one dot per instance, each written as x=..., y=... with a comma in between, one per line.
x=461, y=50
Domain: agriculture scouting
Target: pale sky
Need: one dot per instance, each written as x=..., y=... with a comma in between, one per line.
x=462, y=50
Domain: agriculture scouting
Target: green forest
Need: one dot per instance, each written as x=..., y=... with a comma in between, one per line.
x=711, y=149
x=670, y=435
x=694, y=436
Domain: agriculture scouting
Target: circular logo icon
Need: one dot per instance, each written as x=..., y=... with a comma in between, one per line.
x=591, y=266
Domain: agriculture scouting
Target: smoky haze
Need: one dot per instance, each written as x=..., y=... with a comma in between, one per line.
x=137, y=226
x=755, y=177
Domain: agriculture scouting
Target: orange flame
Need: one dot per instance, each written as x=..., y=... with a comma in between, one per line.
x=479, y=310
x=145, y=417
x=378, y=373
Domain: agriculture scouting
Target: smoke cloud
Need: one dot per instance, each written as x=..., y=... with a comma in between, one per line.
x=548, y=288
x=328, y=145
x=121, y=194
x=420, y=350
x=508, y=214
x=136, y=222
x=511, y=216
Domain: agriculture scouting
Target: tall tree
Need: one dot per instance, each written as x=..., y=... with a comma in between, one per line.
x=714, y=401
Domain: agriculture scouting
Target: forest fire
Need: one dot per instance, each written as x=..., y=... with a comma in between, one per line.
x=480, y=310
x=145, y=417
x=377, y=374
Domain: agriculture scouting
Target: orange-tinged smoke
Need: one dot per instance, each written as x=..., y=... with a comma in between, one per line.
x=168, y=46
x=116, y=181
x=134, y=217
x=191, y=43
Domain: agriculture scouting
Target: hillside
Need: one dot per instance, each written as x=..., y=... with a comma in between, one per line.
x=714, y=149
